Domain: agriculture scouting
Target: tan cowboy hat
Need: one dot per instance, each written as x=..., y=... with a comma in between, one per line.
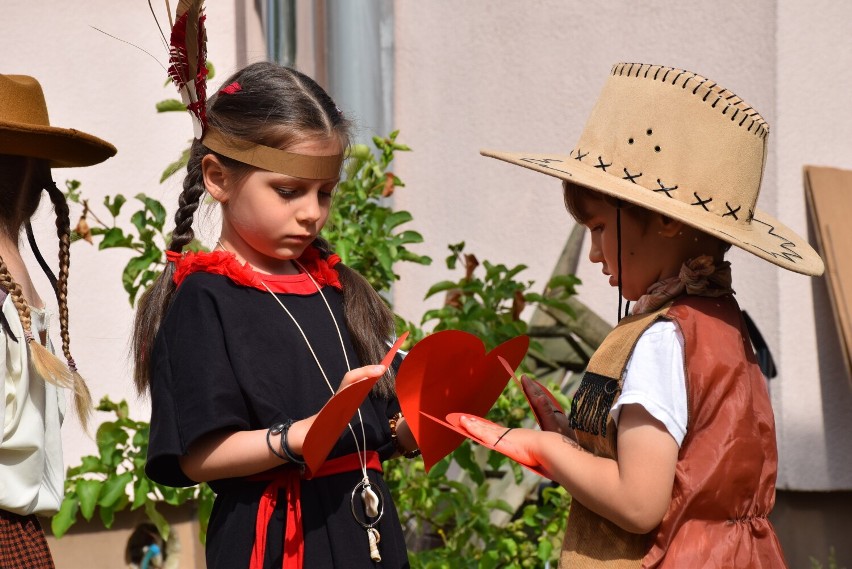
x=25, y=129
x=679, y=144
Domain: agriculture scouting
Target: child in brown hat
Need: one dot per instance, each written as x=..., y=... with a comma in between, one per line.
x=31, y=468
x=669, y=452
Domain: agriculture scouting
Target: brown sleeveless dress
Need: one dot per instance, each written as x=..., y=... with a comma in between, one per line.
x=724, y=485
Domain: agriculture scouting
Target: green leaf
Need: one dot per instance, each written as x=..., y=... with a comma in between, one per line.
x=407, y=237
x=440, y=287
x=107, y=516
x=156, y=208
x=464, y=456
x=157, y=519
x=115, y=237
x=175, y=166
x=114, y=206
x=88, y=491
x=66, y=517
x=398, y=218
x=170, y=106
x=114, y=488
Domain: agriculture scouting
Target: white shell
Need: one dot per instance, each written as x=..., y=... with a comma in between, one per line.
x=375, y=538
x=371, y=501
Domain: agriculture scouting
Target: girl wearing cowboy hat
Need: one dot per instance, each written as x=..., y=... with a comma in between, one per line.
x=669, y=451
x=31, y=469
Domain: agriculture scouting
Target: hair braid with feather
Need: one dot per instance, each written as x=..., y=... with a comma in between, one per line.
x=82, y=396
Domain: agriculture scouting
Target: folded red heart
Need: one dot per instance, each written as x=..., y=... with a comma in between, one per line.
x=337, y=412
x=556, y=404
x=450, y=372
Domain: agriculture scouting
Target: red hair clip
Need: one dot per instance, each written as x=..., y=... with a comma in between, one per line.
x=232, y=88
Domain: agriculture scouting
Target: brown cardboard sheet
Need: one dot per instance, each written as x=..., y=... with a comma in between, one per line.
x=829, y=195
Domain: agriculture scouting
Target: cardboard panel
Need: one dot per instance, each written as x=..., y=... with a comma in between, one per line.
x=829, y=194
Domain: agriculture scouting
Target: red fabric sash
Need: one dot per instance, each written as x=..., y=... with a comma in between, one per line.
x=289, y=479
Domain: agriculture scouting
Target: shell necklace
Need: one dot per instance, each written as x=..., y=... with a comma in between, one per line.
x=371, y=499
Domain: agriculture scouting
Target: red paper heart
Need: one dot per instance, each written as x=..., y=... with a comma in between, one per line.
x=337, y=412
x=449, y=372
x=546, y=391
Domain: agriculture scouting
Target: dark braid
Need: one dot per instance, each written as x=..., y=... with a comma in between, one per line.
x=154, y=303
x=189, y=200
x=82, y=397
x=63, y=231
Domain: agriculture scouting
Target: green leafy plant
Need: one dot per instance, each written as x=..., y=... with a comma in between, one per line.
x=114, y=480
x=365, y=231
x=145, y=237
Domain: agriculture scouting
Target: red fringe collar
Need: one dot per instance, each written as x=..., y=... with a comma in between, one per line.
x=226, y=264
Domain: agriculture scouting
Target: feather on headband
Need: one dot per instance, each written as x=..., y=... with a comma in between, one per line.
x=188, y=60
x=188, y=71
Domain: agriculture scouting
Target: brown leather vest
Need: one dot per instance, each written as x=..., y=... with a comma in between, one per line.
x=724, y=483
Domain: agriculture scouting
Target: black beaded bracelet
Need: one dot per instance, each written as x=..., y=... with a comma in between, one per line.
x=393, y=422
x=291, y=456
x=275, y=429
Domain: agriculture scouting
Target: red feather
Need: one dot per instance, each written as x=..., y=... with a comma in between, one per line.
x=188, y=58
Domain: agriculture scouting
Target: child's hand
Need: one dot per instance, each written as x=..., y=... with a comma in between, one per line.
x=550, y=417
x=517, y=444
x=360, y=373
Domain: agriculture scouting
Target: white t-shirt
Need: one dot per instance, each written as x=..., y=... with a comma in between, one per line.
x=655, y=379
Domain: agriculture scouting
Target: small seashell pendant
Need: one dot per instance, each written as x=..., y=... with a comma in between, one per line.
x=375, y=538
x=371, y=501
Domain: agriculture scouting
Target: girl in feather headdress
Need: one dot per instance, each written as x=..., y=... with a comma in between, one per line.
x=241, y=347
x=33, y=382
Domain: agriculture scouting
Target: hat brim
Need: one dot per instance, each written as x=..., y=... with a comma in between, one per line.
x=764, y=236
x=63, y=147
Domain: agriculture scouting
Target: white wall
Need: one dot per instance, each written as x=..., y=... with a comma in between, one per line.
x=107, y=88
x=524, y=75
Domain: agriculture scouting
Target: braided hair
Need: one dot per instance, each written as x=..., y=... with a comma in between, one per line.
x=23, y=179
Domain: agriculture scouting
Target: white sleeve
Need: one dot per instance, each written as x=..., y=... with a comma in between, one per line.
x=654, y=378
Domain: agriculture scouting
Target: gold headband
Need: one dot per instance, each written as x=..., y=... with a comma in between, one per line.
x=273, y=159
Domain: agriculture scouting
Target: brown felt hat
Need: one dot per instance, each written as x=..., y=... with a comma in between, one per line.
x=25, y=128
x=679, y=144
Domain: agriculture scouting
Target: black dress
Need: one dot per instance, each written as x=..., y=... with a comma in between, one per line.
x=227, y=357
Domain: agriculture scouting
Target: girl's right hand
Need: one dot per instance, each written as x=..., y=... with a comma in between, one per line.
x=299, y=430
x=360, y=373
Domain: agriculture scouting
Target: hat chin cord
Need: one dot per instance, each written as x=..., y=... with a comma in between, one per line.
x=618, y=245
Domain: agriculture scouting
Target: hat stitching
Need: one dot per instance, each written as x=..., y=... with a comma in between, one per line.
x=789, y=255
x=762, y=128
x=665, y=189
x=701, y=202
x=602, y=165
x=631, y=177
x=732, y=211
x=545, y=163
x=785, y=245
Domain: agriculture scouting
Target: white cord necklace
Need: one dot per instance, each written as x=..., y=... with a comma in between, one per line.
x=373, y=505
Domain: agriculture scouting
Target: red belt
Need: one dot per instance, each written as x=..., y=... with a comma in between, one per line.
x=289, y=480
